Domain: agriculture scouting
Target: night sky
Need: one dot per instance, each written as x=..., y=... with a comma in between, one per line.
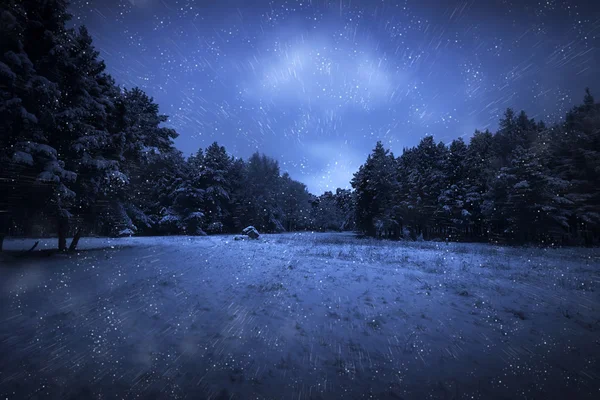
x=316, y=83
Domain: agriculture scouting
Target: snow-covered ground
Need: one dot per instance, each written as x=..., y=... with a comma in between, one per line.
x=299, y=316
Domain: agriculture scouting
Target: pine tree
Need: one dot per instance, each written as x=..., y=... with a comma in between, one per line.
x=526, y=201
x=452, y=212
x=33, y=36
x=152, y=187
x=426, y=180
x=344, y=201
x=185, y=214
x=263, y=188
x=82, y=133
x=213, y=179
x=236, y=220
x=522, y=204
x=576, y=159
x=144, y=150
x=514, y=131
x=139, y=129
x=295, y=203
x=326, y=214
x=375, y=184
x=478, y=170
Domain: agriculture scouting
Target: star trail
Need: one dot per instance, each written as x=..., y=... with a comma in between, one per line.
x=316, y=83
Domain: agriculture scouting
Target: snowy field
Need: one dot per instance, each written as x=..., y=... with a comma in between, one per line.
x=298, y=316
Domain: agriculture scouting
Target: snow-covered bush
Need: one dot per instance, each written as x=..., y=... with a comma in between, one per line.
x=193, y=223
x=215, y=227
x=170, y=223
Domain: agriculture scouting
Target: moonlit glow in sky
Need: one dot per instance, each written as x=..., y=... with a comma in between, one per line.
x=315, y=84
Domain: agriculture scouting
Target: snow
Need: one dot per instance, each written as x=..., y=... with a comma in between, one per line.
x=27, y=116
x=21, y=157
x=48, y=176
x=521, y=185
x=251, y=232
x=40, y=148
x=298, y=316
x=196, y=215
x=126, y=232
x=7, y=73
x=13, y=58
x=169, y=218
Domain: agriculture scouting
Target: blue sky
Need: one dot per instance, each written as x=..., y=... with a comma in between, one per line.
x=315, y=84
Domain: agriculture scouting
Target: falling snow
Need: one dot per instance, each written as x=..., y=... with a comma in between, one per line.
x=315, y=84
x=286, y=76
x=299, y=316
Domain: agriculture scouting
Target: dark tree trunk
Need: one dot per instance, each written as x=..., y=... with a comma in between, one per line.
x=588, y=239
x=75, y=240
x=62, y=241
x=371, y=229
x=63, y=230
x=4, y=227
x=33, y=247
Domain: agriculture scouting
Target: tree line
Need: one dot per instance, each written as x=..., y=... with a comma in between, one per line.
x=527, y=183
x=81, y=155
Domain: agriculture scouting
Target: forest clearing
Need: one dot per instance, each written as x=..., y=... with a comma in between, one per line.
x=302, y=316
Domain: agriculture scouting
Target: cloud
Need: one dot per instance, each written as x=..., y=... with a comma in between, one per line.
x=316, y=72
x=321, y=89
x=338, y=160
